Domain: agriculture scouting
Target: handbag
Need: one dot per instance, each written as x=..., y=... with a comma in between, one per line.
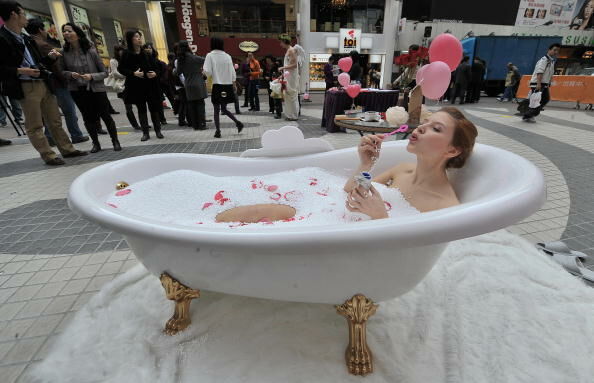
x=222, y=94
x=116, y=84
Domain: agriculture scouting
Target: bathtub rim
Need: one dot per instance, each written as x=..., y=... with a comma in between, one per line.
x=472, y=218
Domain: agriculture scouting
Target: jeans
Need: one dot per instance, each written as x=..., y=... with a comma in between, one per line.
x=253, y=94
x=508, y=94
x=66, y=104
x=17, y=112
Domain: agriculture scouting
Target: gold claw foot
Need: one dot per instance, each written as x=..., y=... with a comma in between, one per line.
x=182, y=295
x=357, y=310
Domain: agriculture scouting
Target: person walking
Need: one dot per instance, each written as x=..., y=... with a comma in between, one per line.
x=84, y=70
x=291, y=77
x=142, y=83
x=190, y=66
x=254, y=79
x=512, y=81
x=36, y=29
x=541, y=80
x=462, y=77
x=25, y=78
x=476, y=82
x=219, y=66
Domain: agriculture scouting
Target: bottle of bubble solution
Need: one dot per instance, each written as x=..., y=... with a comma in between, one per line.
x=362, y=180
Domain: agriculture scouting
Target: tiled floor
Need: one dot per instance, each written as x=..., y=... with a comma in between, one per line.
x=52, y=262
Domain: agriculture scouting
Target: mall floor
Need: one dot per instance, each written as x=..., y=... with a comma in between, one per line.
x=52, y=261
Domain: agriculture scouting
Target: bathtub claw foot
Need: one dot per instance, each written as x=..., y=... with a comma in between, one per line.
x=357, y=310
x=182, y=295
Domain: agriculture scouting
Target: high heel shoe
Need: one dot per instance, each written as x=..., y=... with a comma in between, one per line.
x=116, y=145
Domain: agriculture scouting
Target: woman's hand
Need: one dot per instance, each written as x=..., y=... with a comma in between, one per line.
x=86, y=77
x=139, y=73
x=151, y=74
x=367, y=202
x=369, y=149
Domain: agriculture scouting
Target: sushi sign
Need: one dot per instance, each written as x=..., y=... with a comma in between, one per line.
x=350, y=40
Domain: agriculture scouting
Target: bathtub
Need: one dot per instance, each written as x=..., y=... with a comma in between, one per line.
x=381, y=259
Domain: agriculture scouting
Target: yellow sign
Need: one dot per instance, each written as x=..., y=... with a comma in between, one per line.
x=249, y=46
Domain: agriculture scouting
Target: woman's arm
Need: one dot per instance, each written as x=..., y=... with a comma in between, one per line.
x=207, y=68
x=102, y=73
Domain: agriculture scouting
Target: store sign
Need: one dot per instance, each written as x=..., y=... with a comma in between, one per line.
x=350, y=40
x=118, y=31
x=319, y=57
x=561, y=13
x=186, y=22
x=249, y=46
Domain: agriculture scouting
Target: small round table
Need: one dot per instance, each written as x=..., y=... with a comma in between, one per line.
x=372, y=127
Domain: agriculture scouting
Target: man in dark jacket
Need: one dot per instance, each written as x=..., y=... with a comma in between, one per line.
x=23, y=76
x=462, y=77
x=476, y=83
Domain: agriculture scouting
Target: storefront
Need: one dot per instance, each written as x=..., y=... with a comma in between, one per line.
x=368, y=27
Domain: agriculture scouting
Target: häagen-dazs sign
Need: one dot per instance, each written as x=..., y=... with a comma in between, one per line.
x=249, y=46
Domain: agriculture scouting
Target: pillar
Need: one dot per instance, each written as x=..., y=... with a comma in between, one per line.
x=154, y=15
x=59, y=14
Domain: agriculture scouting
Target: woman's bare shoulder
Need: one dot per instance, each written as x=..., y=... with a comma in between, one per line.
x=405, y=167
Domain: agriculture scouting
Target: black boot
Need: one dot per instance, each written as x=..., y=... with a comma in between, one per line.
x=158, y=132
x=239, y=126
x=96, y=147
x=217, y=134
x=116, y=145
x=145, y=134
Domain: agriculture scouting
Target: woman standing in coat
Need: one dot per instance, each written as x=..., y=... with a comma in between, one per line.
x=219, y=66
x=142, y=83
x=118, y=51
x=190, y=66
x=85, y=73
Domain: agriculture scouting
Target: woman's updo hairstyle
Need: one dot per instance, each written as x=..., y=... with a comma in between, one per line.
x=464, y=137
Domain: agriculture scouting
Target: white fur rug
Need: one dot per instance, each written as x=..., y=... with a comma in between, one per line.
x=493, y=309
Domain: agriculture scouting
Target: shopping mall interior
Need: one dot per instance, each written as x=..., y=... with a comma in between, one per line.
x=296, y=191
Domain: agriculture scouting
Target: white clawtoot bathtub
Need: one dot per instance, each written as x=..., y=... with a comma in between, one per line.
x=381, y=259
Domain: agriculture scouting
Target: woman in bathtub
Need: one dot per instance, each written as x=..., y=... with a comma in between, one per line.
x=445, y=140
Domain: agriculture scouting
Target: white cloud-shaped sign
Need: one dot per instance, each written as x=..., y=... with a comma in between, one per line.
x=286, y=142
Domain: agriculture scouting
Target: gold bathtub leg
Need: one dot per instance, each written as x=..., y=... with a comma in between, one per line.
x=182, y=295
x=358, y=356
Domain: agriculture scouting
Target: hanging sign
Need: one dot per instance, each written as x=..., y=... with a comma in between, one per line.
x=350, y=40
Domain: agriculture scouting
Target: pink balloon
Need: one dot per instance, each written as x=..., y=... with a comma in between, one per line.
x=235, y=66
x=447, y=48
x=353, y=90
x=419, y=76
x=436, y=80
x=344, y=79
x=345, y=64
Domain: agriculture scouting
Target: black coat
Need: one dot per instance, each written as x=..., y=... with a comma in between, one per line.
x=12, y=58
x=191, y=68
x=140, y=90
x=462, y=75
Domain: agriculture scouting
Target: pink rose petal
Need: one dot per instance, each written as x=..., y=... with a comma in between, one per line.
x=123, y=192
x=276, y=196
x=207, y=205
x=112, y=205
x=272, y=188
x=219, y=195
